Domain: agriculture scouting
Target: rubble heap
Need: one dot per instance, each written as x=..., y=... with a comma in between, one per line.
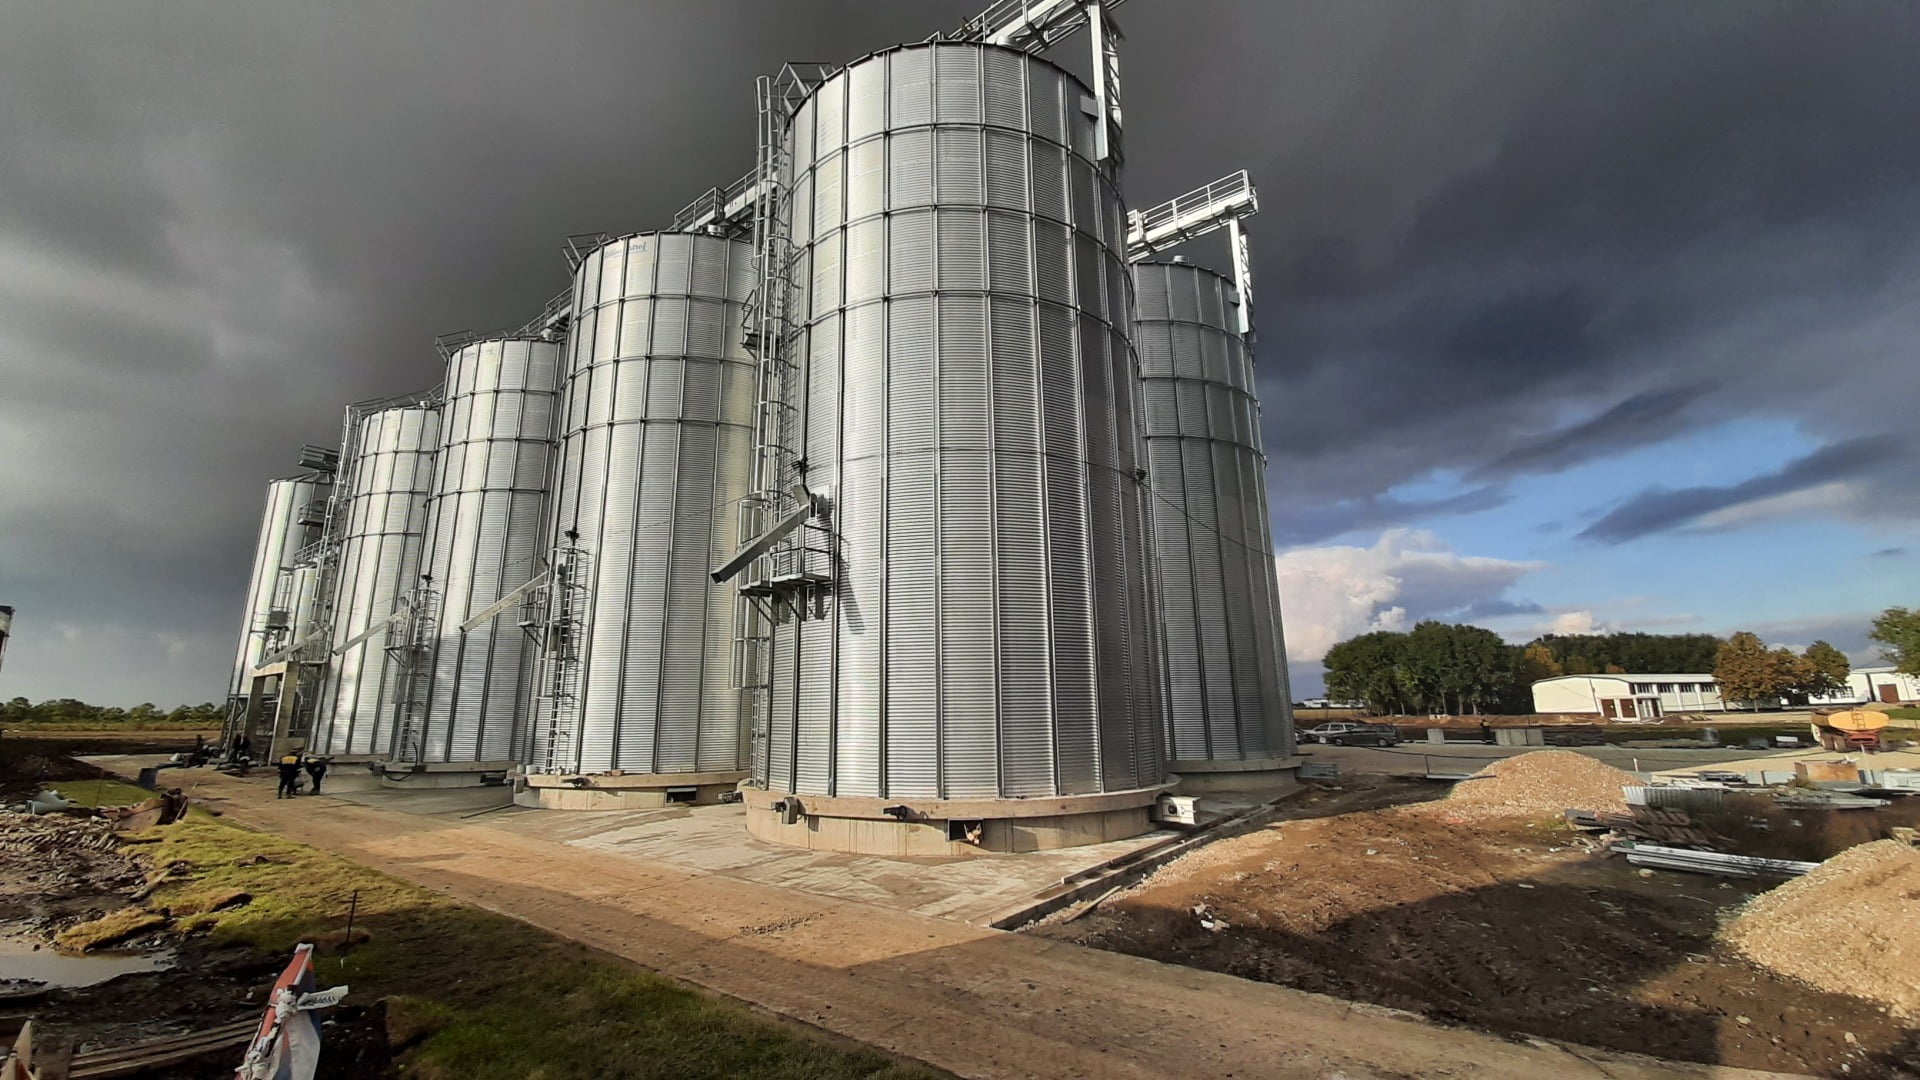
x=1845, y=927
x=63, y=855
x=1541, y=782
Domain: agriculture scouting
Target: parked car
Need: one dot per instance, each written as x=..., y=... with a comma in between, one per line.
x=1343, y=733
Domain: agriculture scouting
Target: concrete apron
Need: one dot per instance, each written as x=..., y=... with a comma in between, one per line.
x=1260, y=774
x=435, y=775
x=899, y=827
x=621, y=791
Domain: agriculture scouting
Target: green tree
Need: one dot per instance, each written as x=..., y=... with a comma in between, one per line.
x=1899, y=630
x=1369, y=668
x=1585, y=654
x=1830, y=669
x=1536, y=663
x=1748, y=672
x=1436, y=667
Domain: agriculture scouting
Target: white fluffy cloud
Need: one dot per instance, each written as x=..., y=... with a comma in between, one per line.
x=1329, y=594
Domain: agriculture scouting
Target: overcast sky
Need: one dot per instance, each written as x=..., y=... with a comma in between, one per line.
x=1571, y=314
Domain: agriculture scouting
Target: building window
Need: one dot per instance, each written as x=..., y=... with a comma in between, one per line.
x=1669, y=688
x=1643, y=688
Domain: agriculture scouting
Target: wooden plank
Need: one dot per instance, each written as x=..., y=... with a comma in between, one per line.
x=155, y=1053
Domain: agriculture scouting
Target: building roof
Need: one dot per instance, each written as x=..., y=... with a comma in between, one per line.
x=1631, y=676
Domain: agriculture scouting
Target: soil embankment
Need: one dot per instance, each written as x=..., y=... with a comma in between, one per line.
x=1483, y=910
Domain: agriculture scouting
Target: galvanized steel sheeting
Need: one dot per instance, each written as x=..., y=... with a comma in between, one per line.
x=379, y=559
x=281, y=537
x=655, y=453
x=971, y=409
x=1223, y=651
x=486, y=536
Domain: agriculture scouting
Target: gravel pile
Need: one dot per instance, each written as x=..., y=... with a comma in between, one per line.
x=1847, y=927
x=1541, y=782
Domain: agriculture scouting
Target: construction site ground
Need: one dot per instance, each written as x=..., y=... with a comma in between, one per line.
x=936, y=988
x=1418, y=759
x=1379, y=892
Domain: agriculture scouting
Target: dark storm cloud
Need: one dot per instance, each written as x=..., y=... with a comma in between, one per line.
x=1487, y=223
x=1640, y=419
x=1306, y=524
x=1659, y=510
x=1569, y=229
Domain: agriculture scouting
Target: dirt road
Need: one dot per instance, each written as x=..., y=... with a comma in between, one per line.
x=977, y=1002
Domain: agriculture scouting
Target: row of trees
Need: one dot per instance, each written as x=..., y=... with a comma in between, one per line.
x=1751, y=673
x=1598, y=654
x=1435, y=667
x=1455, y=668
x=71, y=712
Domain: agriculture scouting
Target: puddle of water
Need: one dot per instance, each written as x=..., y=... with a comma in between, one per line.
x=19, y=960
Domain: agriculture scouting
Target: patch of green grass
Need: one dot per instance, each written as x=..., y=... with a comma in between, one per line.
x=101, y=792
x=109, y=928
x=483, y=996
x=1903, y=713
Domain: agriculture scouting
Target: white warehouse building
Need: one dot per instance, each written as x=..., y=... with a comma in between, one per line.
x=1650, y=697
x=1881, y=684
x=1627, y=697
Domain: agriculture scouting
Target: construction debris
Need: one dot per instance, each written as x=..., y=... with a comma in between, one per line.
x=26, y=834
x=1713, y=862
x=1846, y=927
x=1541, y=782
x=155, y=1054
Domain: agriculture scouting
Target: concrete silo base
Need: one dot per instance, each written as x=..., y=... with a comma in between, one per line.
x=1259, y=774
x=864, y=826
x=622, y=791
x=435, y=775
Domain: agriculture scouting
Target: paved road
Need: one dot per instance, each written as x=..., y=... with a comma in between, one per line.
x=977, y=1002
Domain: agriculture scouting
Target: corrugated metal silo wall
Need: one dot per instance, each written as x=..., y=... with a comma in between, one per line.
x=656, y=451
x=379, y=560
x=971, y=407
x=1224, y=652
x=281, y=537
x=485, y=537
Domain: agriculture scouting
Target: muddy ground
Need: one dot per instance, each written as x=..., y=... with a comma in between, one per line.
x=45, y=892
x=1505, y=925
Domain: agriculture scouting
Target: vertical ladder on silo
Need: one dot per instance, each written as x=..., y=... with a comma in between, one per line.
x=411, y=638
x=765, y=318
x=556, y=615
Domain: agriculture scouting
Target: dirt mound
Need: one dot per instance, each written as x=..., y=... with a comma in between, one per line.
x=1846, y=927
x=1541, y=782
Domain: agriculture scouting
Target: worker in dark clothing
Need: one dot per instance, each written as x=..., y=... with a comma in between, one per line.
x=316, y=768
x=289, y=777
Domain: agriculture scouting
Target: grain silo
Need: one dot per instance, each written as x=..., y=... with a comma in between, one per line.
x=382, y=524
x=636, y=702
x=279, y=599
x=464, y=707
x=964, y=647
x=1229, y=714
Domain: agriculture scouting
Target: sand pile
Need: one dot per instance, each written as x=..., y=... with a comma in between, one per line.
x=1541, y=782
x=1847, y=927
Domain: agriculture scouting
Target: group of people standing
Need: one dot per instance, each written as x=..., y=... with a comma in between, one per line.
x=290, y=767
